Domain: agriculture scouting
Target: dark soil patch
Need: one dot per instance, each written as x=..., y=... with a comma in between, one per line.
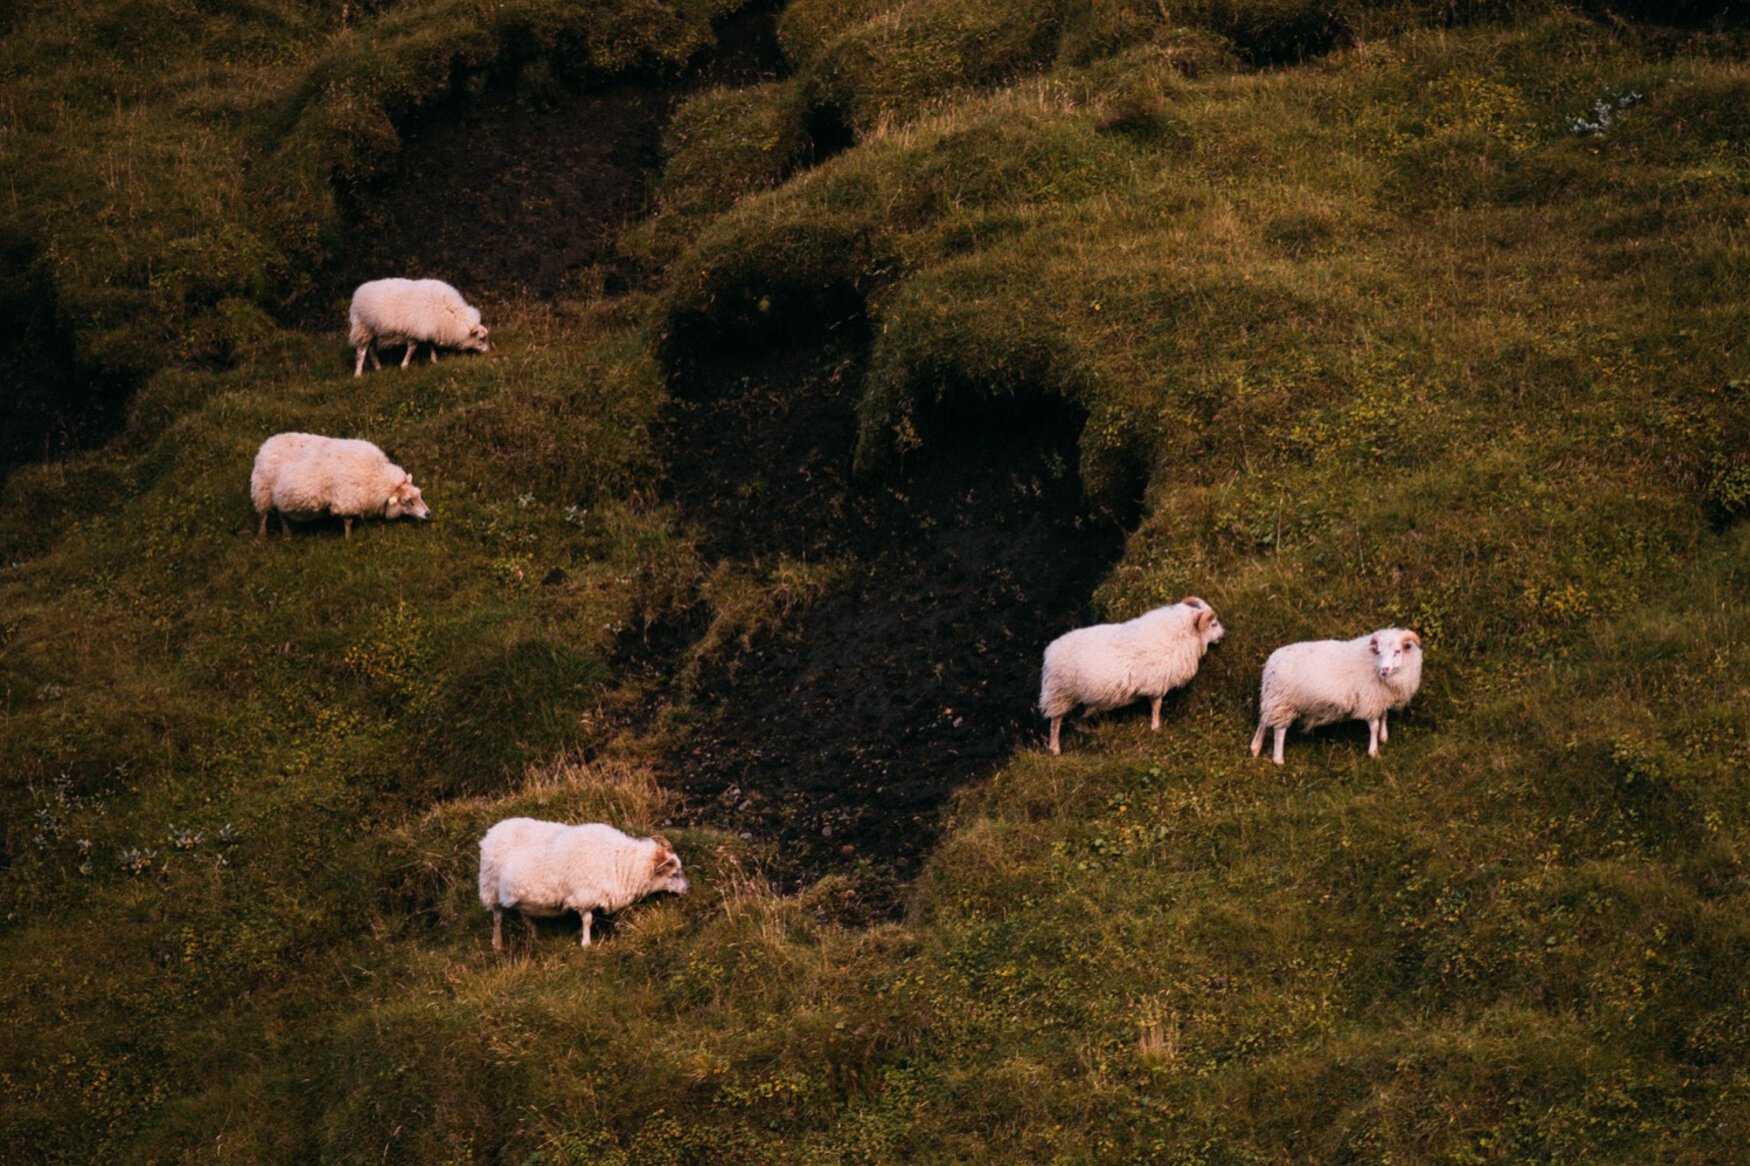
x=50, y=404
x=840, y=737
x=523, y=189
x=510, y=195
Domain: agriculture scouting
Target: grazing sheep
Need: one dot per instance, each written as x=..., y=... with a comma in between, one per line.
x=1112, y=664
x=304, y=476
x=548, y=868
x=411, y=312
x=1321, y=682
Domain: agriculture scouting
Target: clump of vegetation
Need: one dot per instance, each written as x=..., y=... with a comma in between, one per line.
x=1341, y=293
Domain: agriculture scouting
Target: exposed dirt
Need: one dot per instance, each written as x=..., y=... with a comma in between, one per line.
x=50, y=404
x=840, y=737
x=523, y=188
x=511, y=195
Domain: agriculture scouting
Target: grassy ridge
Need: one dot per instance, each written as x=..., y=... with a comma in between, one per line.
x=1393, y=336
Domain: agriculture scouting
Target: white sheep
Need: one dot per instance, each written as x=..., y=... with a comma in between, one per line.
x=1109, y=665
x=304, y=476
x=543, y=869
x=1321, y=682
x=412, y=312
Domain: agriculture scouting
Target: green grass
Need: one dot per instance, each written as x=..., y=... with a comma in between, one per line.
x=1387, y=339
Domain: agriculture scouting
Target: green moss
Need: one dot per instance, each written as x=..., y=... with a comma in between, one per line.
x=506, y=709
x=1383, y=338
x=721, y=146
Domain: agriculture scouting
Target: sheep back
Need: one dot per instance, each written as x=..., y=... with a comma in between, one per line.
x=1108, y=665
x=1321, y=682
x=305, y=475
x=407, y=311
x=549, y=868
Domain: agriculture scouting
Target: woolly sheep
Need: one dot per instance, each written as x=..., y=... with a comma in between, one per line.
x=1109, y=665
x=1321, y=682
x=411, y=312
x=544, y=869
x=305, y=476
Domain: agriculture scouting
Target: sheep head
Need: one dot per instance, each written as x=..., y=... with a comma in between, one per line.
x=1394, y=650
x=665, y=869
x=405, y=499
x=1204, y=620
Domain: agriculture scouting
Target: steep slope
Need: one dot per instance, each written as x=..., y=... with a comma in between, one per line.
x=1382, y=318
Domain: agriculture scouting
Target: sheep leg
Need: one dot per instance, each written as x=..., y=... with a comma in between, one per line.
x=348, y=521
x=1383, y=735
x=1056, y=724
x=375, y=363
x=1154, y=721
x=529, y=926
x=1281, y=739
x=1373, y=737
x=498, y=929
x=261, y=531
x=408, y=359
x=434, y=354
x=358, y=370
x=587, y=916
x=285, y=526
x=1258, y=739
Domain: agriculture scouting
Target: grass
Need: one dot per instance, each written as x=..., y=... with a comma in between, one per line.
x=1386, y=339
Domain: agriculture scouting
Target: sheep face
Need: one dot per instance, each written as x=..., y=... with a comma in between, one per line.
x=665, y=874
x=1207, y=623
x=1392, y=653
x=405, y=500
x=476, y=341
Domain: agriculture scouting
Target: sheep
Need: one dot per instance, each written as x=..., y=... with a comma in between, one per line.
x=1108, y=665
x=305, y=476
x=411, y=311
x=1321, y=682
x=545, y=869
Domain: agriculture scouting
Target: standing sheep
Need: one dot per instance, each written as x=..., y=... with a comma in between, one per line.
x=1109, y=665
x=1321, y=682
x=543, y=869
x=304, y=476
x=411, y=312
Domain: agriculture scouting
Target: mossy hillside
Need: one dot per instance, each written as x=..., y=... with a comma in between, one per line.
x=1276, y=332
x=864, y=72
x=201, y=163
x=1176, y=271
x=202, y=750
x=1493, y=410
x=865, y=68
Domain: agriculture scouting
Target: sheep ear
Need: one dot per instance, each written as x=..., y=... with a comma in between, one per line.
x=1205, y=617
x=1373, y=644
x=1412, y=638
x=1193, y=601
